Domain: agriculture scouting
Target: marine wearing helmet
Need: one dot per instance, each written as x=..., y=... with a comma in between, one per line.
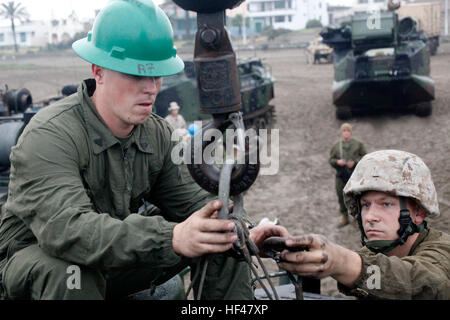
x=391, y=194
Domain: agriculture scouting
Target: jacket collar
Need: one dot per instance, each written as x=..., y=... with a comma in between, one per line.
x=100, y=135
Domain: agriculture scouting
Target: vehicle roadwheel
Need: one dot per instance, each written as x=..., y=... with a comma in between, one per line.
x=424, y=109
x=343, y=113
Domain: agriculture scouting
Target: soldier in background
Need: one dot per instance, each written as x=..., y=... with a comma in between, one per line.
x=175, y=119
x=391, y=194
x=344, y=156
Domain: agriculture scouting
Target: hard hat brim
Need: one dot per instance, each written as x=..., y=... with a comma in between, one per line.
x=113, y=61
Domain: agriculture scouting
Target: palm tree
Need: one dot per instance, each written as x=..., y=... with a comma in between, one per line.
x=13, y=11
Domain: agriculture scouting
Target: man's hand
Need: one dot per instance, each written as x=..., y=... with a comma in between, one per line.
x=261, y=233
x=341, y=162
x=323, y=259
x=350, y=164
x=202, y=233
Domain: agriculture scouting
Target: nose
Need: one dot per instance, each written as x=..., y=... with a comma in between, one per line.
x=371, y=214
x=151, y=85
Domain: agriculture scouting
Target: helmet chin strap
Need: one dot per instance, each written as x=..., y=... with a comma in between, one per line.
x=407, y=228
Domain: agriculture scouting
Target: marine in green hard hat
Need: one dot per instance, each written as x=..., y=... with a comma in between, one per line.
x=96, y=208
x=132, y=37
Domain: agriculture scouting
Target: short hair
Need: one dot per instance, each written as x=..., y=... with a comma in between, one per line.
x=346, y=126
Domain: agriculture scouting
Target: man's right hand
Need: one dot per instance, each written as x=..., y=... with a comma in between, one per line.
x=341, y=162
x=203, y=233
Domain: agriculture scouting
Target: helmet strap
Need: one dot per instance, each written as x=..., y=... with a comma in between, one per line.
x=407, y=228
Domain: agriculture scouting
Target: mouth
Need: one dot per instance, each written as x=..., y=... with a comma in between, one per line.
x=145, y=104
x=374, y=232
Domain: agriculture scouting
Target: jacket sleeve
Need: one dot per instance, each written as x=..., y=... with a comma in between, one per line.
x=421, y=276
x=334, y=157
x=361, y=152
x=47, y=194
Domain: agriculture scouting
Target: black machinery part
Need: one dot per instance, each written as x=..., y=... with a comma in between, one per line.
x=19, y=100
x=202, y=6
x=10, y=132
x=208, y=175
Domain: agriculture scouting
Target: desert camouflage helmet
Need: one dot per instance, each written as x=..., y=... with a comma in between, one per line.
x=396, y=172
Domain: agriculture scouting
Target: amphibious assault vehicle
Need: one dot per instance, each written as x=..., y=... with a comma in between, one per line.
x=257, y=90
x=380, y=61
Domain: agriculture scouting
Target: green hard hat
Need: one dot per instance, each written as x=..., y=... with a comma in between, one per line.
x=133, y=37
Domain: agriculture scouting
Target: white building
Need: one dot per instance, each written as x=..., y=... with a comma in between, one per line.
x=40, y=33
x=63, y=30
x=287, y=14
x=28, y=34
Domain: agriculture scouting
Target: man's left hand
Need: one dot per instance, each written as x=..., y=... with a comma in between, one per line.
x=323, y=259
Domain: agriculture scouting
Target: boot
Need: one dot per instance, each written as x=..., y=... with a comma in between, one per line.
x=343, y=222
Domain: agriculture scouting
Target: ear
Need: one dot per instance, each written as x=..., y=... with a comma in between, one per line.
x=98, y=73
x=418, y=213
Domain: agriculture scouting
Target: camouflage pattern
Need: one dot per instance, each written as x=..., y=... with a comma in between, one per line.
x=422, y=274
x=400, y=173
x=76, y=192
x=380, y=65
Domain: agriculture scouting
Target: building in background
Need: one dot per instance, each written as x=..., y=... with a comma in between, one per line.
x=28, y=34
x=67, y=29
x=338, y=14
x=184, y=23
x=43, y=33
x=286, y=14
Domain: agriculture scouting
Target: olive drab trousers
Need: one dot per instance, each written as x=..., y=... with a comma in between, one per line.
x=339, y=191
x=32, y=274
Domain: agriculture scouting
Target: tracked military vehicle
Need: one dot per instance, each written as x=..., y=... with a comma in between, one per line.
x=257, y=90
x=380, y=61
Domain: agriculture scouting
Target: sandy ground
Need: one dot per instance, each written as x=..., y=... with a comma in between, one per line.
x=302, y=193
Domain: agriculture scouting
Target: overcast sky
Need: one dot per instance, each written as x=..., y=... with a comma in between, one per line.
x=47, y=9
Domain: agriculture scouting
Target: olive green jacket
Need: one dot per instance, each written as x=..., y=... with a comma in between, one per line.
x=347, y=150
x=75, y=192
x=423, y=274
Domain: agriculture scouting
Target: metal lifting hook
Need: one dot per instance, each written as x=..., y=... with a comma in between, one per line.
x=219, y=93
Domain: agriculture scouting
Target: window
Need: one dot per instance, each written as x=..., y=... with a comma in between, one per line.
x=23, y=37
x=363, y=1
x=379, y=0
x=279, y=18
x=279, y=4
x=2, y=37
